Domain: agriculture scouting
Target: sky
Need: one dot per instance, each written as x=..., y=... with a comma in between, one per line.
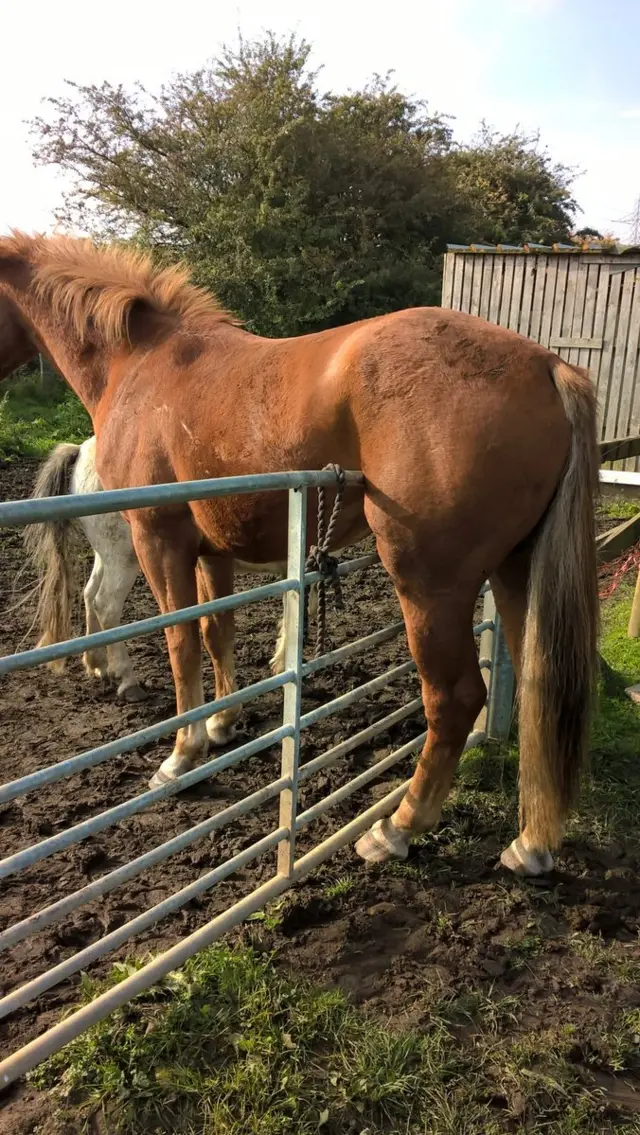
x=565, y=68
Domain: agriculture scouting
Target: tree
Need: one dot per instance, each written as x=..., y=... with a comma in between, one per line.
x=299, y=209
x=587, y=233
x=512, y=190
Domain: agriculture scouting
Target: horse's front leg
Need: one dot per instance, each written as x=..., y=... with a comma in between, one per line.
x=215, y=580
x=168, y=560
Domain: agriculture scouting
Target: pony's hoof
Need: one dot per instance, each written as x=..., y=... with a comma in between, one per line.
x=132, y=694
x=382, y=842
x=160, y=778
x=518, y=859
x=218, y=734
x=170, y=770
x=276, y=665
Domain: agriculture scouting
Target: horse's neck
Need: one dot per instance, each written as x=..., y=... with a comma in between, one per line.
x=84, y=369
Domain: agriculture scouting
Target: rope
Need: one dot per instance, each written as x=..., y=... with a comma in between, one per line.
x=320, y=560
x=612, y=574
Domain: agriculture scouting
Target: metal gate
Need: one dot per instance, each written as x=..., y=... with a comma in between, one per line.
x=288, y=868
x=583, y=303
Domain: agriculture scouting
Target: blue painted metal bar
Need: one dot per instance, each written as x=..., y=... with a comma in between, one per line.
x=92, y=757
x=43, y=654
x=30, y=855
x=111, y=941
x=14, y=513
x=357, y=647
x=330, y=756
x=317, y=810
x=355, y=695
x=485, y=625
x=57, y=910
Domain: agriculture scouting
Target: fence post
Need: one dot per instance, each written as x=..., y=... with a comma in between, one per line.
x=294, y=641
x=501, y=686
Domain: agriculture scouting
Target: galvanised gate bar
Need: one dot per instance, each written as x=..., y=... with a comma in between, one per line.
x=493, y=722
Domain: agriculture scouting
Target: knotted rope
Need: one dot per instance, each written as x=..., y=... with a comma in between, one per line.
x=320, y=560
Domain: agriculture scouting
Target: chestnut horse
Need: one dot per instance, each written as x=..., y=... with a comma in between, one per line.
x=479, y=453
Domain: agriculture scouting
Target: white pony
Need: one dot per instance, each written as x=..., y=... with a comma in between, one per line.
x=52, y=549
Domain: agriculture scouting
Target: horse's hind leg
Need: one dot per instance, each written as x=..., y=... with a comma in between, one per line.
x=215, y=579
x=94, y=660
x=440, y=631
x=115, y=585
x=510, y=586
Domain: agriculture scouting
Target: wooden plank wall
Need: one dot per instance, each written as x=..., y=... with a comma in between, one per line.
x=587, y=308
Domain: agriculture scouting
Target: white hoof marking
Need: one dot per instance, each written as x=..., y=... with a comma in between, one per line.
x=521, y=861
x=382, y=842
x=220, y=735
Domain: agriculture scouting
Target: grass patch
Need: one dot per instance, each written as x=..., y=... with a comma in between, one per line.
x=36, y=415
x=610, y=805
x=228, y=1046
x=339, y=887
x=618, y=508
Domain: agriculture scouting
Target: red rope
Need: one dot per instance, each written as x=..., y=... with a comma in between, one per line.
x=612, y=573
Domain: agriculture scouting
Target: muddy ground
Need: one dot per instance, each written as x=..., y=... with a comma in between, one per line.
x=388, y=937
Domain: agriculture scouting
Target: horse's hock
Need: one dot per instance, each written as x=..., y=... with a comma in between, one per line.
x=493, y=722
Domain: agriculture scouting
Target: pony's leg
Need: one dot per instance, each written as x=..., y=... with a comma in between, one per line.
x=440, y=631
x=276, y=664
x=215, y=579
x=115, y=585
x=94, y=661
x=510, y=583
x=169, y=565
x=110, y=537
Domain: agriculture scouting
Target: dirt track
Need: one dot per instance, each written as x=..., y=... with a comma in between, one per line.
x=447, y=919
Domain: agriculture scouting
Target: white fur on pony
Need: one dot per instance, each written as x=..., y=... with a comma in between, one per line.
x=114, y=573
x=382, y=842
x=115, y=570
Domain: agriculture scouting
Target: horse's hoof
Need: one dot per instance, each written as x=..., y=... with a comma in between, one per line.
x=381, y=843
x=132, y=694
x=276, y=665
x=518, y=859
x=160, y=778
x=174, y=767
x=220, y=735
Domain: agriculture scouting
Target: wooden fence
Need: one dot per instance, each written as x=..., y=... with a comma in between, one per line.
x=584, y=305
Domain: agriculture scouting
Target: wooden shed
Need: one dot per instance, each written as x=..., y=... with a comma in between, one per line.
x=582, y=301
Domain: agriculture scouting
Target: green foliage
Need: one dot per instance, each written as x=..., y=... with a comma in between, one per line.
x=37, y=414
x=299, y=209
x=513, y=191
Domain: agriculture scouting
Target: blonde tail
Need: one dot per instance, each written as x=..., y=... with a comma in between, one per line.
x=50, y=547
x=559, y=658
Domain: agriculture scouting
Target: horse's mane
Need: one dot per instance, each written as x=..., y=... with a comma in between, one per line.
x=98, y=286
